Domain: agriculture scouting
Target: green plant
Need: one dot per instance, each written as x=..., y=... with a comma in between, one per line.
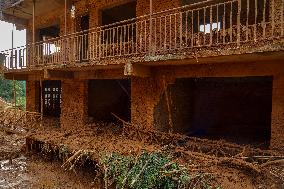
x=149, y=170
x=7, y=91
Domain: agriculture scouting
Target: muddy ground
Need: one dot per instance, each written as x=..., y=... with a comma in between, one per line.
x=230, y=165
x=20, y=170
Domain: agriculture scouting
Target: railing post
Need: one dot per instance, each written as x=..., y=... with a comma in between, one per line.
x=33, y=48
x=273, y=17
x=211, y=30
x=100, y=43
x=239, y=23
x=264, y=20
x=12, y=54
x=255, y=20
x=2, y=61
x=11, y=60
x=282, y=18
x=41, y=102
x=151, y=29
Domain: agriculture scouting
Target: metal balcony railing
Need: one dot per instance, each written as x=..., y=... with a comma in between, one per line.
x=212, y=23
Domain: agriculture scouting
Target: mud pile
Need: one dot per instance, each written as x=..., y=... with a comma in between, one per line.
x=231, y=165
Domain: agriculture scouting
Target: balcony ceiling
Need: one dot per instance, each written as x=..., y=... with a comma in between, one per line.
x=22, y=12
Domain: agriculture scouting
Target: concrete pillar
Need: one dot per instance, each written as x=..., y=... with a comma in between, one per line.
x=74, y=104
x=277, y=127
x=145, y=97
x=32, y=96
x=143, y=94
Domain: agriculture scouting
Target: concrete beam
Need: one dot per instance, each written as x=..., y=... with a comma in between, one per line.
x=57, y=75
x=19, y=77
x=35, y=77
x=99, y=74
x=137, y=70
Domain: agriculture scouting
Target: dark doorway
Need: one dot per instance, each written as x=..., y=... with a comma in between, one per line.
x=49, y=32
x=83, y=27
x=84, y=22
x=235, y=109
x=51, y=94
x=48, y=47
x=119, y=13
x=116, y=14
x=109, y=96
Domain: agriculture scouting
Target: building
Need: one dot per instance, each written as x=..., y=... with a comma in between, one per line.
x=203, y=68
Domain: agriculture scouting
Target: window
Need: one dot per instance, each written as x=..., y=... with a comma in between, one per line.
x=51, y=98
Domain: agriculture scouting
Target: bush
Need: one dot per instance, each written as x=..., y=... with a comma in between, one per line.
x=149, y=170
x=7, y=91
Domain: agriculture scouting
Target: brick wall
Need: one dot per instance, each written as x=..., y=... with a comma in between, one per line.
x=74, y=104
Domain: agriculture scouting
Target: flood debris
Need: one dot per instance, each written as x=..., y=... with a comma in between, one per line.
x=199, y=156
x=122, y=154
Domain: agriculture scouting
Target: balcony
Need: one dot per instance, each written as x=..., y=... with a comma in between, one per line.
x=205, y=29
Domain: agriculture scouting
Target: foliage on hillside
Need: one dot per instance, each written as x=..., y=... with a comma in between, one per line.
x=7, y=90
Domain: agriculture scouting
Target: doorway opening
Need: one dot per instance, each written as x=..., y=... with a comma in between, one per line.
x=82, y=48
x=231, y=108
x=119, y=13
x=108, y=97
x=49, y=46
x=120, y=32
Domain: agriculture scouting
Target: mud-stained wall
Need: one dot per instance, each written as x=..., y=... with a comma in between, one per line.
x=74, y=103
x=277, y=132
x=33, y=96
x=142, y=98
x=145, y=96
x=147, y=92
x=55, y=18
x=143, y=6
x=93, y=8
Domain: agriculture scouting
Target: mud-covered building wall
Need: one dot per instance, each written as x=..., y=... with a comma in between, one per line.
x=74, y=104
x=33, y=96
x=92, y=8
x=147, y=93
x=277, y=139
x=73, y=93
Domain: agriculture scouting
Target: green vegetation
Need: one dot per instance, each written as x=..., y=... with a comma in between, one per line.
x=150, y=170
x=7, y=91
